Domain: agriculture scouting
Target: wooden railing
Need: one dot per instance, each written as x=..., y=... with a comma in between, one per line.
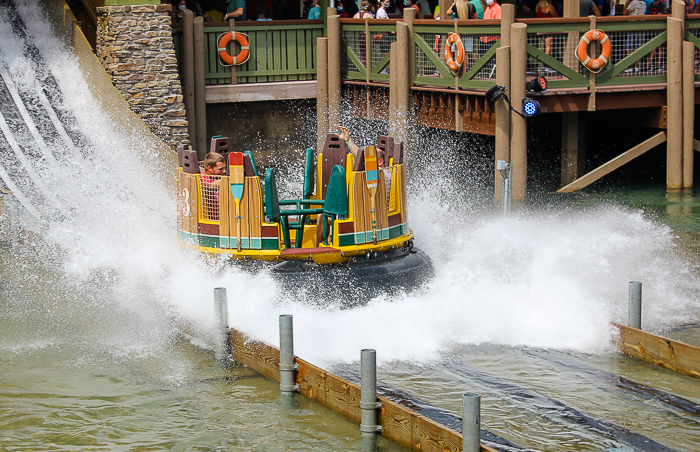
x=280, y=50
x=638, y=51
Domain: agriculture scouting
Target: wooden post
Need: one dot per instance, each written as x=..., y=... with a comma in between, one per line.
x=573, y=145
x=368, y=66
x=232, y=28
x=334, y=86
x=188, y=74
x=674, y=101
x=678, y=11
x=321, y=91
x=503, y=137
x=200, y=101
x=502, y=118
x=409, y=15
x=444, y=6
x=595, y=51
x=400, y=86
x=507, y=19
x=688, y=111
x=571, y=9
x=518, y=143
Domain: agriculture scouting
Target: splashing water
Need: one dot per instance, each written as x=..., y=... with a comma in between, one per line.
x=544, y=278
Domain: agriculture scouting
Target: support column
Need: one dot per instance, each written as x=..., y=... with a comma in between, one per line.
x=234, y=78
x=674, y=102
x=334, y=86
x=199, y=99
x=321, y=92
x=518, y=143
x=188, y=73
x=399, y=88
x=502, y=138
x=688, y=111
x=409, y=15
x=573, y=145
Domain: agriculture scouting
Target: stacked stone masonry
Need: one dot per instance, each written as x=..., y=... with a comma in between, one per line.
x=135, y=46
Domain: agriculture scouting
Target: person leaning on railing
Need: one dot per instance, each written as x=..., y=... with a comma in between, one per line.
x=236, y=10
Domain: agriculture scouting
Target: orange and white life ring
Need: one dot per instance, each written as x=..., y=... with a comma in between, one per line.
x=594, y=65
x=241, y=39
x=454, y=52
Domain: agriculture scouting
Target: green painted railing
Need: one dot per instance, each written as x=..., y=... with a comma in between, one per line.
x=638, y=51
x=279, y=51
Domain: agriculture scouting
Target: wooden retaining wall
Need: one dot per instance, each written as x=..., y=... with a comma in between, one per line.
x=659, y=350
x=404, y=427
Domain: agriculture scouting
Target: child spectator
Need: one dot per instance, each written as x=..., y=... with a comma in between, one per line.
x=315, y=12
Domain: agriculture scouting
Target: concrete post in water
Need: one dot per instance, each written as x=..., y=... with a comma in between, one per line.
x=221, y=350
x=635, y=305
x=200, y=102
x=188, y=74
x=321, y=91
x=334, y=85
x=368, y=395
x=688, y=111
x=287, y=365
x=518, y=143
x=471, y=422
x=674, y=101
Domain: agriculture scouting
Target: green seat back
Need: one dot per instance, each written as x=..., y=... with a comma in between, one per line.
x=272, y=204
x=308, y=173
x=336, y=194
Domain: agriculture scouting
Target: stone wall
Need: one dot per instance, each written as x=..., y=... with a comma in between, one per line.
x=135, y=46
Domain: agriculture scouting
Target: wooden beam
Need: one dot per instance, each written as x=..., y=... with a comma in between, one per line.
x=659, y=350
x=256, y=92
x=404, y=427
x=614, y=164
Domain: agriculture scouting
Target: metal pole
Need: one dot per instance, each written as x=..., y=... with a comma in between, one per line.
x=506, y=170
x=635, y=305
x=368, y=394
x=471, y=422
x=287, y=365
x=221, y=347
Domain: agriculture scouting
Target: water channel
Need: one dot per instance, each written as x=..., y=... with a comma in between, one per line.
x=94, y=302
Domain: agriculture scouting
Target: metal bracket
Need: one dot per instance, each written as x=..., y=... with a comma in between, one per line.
x=293, y=388
x=285, y=367
x=370, y=428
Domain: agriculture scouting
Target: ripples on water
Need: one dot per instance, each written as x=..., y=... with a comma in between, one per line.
x=92, y=308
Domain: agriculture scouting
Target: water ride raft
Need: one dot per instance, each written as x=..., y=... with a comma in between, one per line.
x=349, y=229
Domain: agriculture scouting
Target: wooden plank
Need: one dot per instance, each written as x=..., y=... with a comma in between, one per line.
x=614, y=164
x=260, y=53
x=659, y=350
x=291, y=53
x=329, y=390
x=259, y=356
x=225, y=203
x=404, y=197
x=302, y=50
x=194, y=203
x=284, y=64
x=358, y=186
x=382, y=217
x=255, y=212
x=274, y=53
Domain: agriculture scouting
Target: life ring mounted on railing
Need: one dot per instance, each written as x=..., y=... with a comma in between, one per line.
x=241, y=39
x=454, y=52
x=594, y=65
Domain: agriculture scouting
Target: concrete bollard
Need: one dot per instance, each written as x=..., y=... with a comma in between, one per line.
x=368, y=396
x=221, y=349
x=471, y=422
x=634, y=318
x=287, y=365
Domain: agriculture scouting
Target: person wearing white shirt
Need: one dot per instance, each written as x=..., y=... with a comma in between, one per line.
x=382, y=11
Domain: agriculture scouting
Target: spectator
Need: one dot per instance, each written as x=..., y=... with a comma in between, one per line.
x=213, y=12
x=545, y=9
x=480, y=6
x=236, y=10
x=493, y=10
x=424, y=7
x=634, y=8
x=364, y=13
x=308, y=4
x=588, y=8
x=341, y=10
x=382, y=12
x=659, y=7
x=315, y=12
x=461, y=9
